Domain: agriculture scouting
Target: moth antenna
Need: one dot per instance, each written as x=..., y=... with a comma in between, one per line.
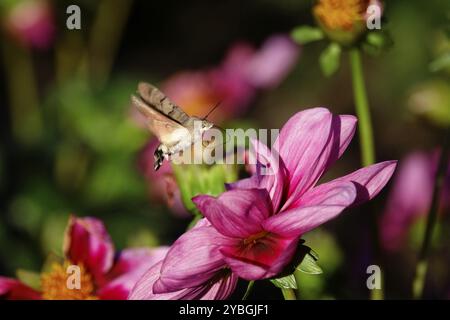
x=211, y=111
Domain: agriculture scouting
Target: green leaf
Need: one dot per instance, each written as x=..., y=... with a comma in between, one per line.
x=377, y=41
x=30, y=278
x=309, y=264
x=198, y=179
x=287, y=282
x=304, y=260
x=330, y=59
x=306, y=34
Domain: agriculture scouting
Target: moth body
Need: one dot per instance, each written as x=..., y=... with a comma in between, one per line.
x=176, y=130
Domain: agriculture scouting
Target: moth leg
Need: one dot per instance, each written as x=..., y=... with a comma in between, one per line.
x=160, y=154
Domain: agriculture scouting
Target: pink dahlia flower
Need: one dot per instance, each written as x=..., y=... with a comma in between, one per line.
x=104, y=275
x=256, y=224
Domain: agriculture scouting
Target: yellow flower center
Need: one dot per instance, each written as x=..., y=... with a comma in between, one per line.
x=64, y=282
x=340, y=14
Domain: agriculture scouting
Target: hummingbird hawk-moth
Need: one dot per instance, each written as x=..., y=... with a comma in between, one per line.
x=174, y=128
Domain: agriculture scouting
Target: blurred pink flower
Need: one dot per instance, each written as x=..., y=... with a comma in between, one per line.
x=235, y=82
x=103, y=275
x=272, y=63
x=209, y=278
x=256, y=225
x=410, y=198
x=32, y=23
x=13, y=289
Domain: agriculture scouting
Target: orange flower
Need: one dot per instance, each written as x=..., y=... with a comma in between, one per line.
x=341, y=14
x=344, y=21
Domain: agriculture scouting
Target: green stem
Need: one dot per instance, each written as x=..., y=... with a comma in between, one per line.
x=106, y=33
x=249, y=290
x=366, y=139
x=70, y=50
x=422, y=265
x=26, y=118
x=288, y=294
x=297, y=277
x=362, y=109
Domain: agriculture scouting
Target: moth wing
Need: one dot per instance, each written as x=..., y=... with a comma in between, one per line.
x=168, y=133
x=155, y=98
x=163, y=127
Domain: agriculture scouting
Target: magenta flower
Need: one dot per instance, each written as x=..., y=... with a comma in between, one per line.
x=256, y=225
x=410, y=198
x=205, y=276
x=103, y=275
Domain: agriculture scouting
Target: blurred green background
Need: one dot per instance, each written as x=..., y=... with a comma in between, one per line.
x=69, y=144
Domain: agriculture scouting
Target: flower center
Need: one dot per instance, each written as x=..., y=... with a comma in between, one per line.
x=253, y=239
x=340, y=14
x=65, y=283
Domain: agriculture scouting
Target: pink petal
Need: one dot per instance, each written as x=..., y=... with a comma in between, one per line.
x=12, y=289
x=252, y=182
x=263, y=259
x=271, y=172
x=306, y=144
x=347, y=130
x=192, y=260
x=370, y=180
x=345, y=125
x=143, y=290
x=129, y=267
x=88, y=242
x=221, y=288
x=320, y=204
x=218, y=288
x=236, y=213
